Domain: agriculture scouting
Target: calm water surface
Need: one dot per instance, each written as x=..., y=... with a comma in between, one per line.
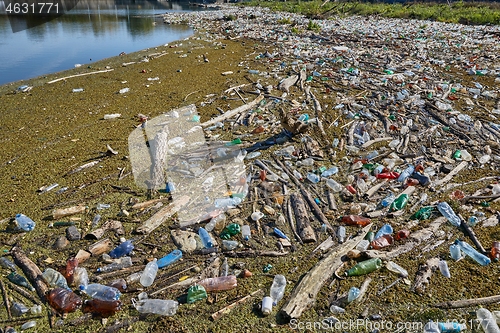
x=92, y=31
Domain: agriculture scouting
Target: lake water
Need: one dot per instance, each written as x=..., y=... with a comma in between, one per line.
x=93, y=30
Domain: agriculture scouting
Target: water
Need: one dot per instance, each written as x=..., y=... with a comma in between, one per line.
x=92, y=31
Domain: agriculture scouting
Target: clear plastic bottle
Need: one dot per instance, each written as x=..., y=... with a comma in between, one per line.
x=95, y=221
x=205, y=238
x=455, y=252
x=313, y=178
x=99, y=291
x=298, y=175
x=388, y=200
x=406, y=173
x=122, y=250
x=219, y=219
x=227, y=202
x=257, y=215
x=18, y=309
x=245, y=232
x=24, y=222
x=55, y=279
x=6, y=263
x=229, y=245
x=336, y=187
x=306, y=162
x=81, y=278
x=28, y=325
x=149, y=274
x=341, y=233
x=443, y=268
x=156, y=306
x=133, y=278
x=393, y=267
x=329, y=172
x=448, y=212
x=278, y=288
x=487, y=321
x=123, y=262
x=363, y=245
x=224, y=268
x=471, y=252
x=385, y=230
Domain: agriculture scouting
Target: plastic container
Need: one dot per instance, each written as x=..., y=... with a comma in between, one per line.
x=156, y=306
x=341, y=234
x=448, y=212
x=455, y=252
x=280, y=233
x=330, y=172
x=124, y=262
x=313, y=178
x=227, y=202
x=395, y=268
x=19, y=280
x=219, y=283
x=333, y=185
x=205, y=238
x=363, y=245
x=443, y=268
x=149, y=274
x=471, y=252
x=385, y=230
x=353, y=294
x=219, y=219
x=55, y=279
x=257, y=215
x=231, y=230
x=365, y=267
x=112, y=116
x=100, y=308
x=24, y=222
x=278, y=288
x=382, y=242
x=122, y=250
x=196, y=293
x=229, y=245
x=63, y=300
x=356, y=220
x=169, y=259
x=267, y=306
x=99, y=291
x=487, y=321
x=245, y=232
x=6, y=263
x=406, y=173
x=124, y=90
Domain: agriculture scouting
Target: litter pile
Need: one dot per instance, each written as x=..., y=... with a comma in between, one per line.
x=360, y=143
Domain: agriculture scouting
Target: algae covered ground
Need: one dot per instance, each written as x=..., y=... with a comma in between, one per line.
x=51, y=130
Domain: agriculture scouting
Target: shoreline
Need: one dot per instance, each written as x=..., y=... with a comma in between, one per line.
x=49, y=131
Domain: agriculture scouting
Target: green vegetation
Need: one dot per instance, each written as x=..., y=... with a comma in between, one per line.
x=313, y=26
x=456, y=12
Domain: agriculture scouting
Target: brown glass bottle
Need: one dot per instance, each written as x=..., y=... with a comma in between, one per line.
x=356, y=220
x=100, y=308
x=495, y=251
x=402, y=234
x=71, y=264
x=63, y=300
x=382, y=242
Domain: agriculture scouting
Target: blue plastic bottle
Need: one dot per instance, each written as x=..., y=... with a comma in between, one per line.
x=205, y=238
x=406, y=173
x=385, y=230
x=122, y=250
x=388, y=200
x=169, y=259
x=24, y=222
x=280, y=233
x=102, y=292
x=471, y=252
x=448, y=212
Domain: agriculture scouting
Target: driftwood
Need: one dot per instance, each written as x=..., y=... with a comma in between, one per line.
x=317, y=108
x=468, y=302
x=254, y=254
x=83, y=167
x=5, y=299
x=372, y=190
x=449, y=176
x=112, y=225
x=369, y=143
x=291, y=220
x=149, y=203
x=31, y=271
x=332, y=203
x=304, y=293
x=304, y=228
x=291, y=124
x=24, y=293
x=285, y=84
x=234, y=112
x=227, y=309
x=472, y=235
x=363, y=289
x=424, y=273
x=119, y=325
x=82, y=74
x=162, y=215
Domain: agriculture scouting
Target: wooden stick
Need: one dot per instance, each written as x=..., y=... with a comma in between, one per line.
x=363, y=289
x=162, y=215
x=31, y=271
x=234, y=112
x=472, y=235
x=468, y=302
x=304, y=228
x=304, y=293
x=227, y=309
x=24, y=293
x=449, y=176
x=5, y=299
x=369, y=143
x=479, y=197
x=254, y=254
x=82, y=74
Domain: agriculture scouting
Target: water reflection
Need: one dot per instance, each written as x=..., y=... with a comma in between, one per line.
x=93, y=30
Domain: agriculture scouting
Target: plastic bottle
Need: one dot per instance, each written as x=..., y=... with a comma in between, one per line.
x=356, y=220
x=245, y=232
x=278, y=288
x=341, y=233
x=471, y=252
x=205, y=238
x=133, y=278
x=224, y=268
x=393, y=267
x=451, y=327
x=28, y=325
x=95, y=221
x=55, y=279
x=353, y=294
x=6, y=263
x=385, y=230
x=99, y=291
x=313, y=178
x=18, y=309
x=399, y=203
x=336, y=309
x=219, y=283
x=333, y=185
x=431, y=327
x=81, y=278
x=227, y=202
x=63, y=300
x=24, y=222
x=487, y=321
x=455, y=252
x=363, y=245
x=329, y=172
x=169, y=259
x=388, y=200
x=495, y=251
x=149, y=274
x=196, y=293
x=406, y=173
x=422, y=179
x=298, y=175
x=267, y=305
x=122, y=250
x=124, y=90
x=279, y=233
x=306, y=162
x=402, y=234
x=229, y=245
x=119, y=284
x=122, y=263
x=19, y=280
x=100, y=308
x=156, y=306
x=257, y=215
x=443, y=268
x=231, y=230
x=382, y=242
x=448, y=212
x=71, y=265
x=365, y=267
x=219, y=219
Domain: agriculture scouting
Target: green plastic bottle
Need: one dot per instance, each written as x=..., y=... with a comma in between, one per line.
x=365, y=267
x=370, y=236
x=230, y=230
x=234, y=142
x=423, y=213
x=399, y=203
x=196, y=293
x=457, y=154
x=20, y=280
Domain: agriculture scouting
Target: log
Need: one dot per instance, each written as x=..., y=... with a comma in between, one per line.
x=304, y=228
x=233, y=112
x=304, y=294
x=424, y=274
x=82, y=74
x=468, y=302
x=31, y=271
x=162, y=215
